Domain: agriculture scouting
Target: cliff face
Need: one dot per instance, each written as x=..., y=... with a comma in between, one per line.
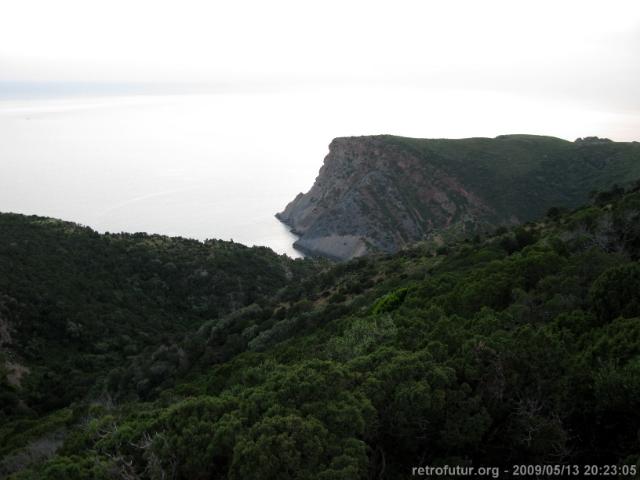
x=380, y=193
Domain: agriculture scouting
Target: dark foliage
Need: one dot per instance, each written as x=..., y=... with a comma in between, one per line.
x=522, y=347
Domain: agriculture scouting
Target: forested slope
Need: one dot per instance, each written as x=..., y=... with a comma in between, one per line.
x=75, y=303
x=522, y=346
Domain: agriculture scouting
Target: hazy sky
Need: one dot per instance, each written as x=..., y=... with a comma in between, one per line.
x=582, y=51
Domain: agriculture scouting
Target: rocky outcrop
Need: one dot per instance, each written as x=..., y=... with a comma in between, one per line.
x=381, y=193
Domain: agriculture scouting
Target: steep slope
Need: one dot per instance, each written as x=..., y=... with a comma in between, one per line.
x=74, y=303
x=381, y=193
x=522, y=347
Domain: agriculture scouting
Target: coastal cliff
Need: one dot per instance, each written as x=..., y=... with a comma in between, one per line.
x=380, y=193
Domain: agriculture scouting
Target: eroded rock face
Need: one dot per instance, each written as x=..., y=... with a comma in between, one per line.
x=380, y=193
x=372, y=196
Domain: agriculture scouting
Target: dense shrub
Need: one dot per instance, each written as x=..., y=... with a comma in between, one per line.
x=616, y=292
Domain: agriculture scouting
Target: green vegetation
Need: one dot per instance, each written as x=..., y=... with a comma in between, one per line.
x=524, y=175
x=77, y=304
x=518, y=347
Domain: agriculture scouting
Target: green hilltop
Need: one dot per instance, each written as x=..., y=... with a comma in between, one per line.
x=524, y=175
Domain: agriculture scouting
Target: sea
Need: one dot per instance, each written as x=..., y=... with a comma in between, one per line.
x=221, y=164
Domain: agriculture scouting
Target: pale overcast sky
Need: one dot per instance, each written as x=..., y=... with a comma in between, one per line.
x=582, y=51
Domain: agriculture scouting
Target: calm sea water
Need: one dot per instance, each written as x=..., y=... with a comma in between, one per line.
x=221, y=165
x=188, y=166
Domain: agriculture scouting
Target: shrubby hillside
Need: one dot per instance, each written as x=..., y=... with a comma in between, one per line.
x=74, y=304
x=522, y=346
